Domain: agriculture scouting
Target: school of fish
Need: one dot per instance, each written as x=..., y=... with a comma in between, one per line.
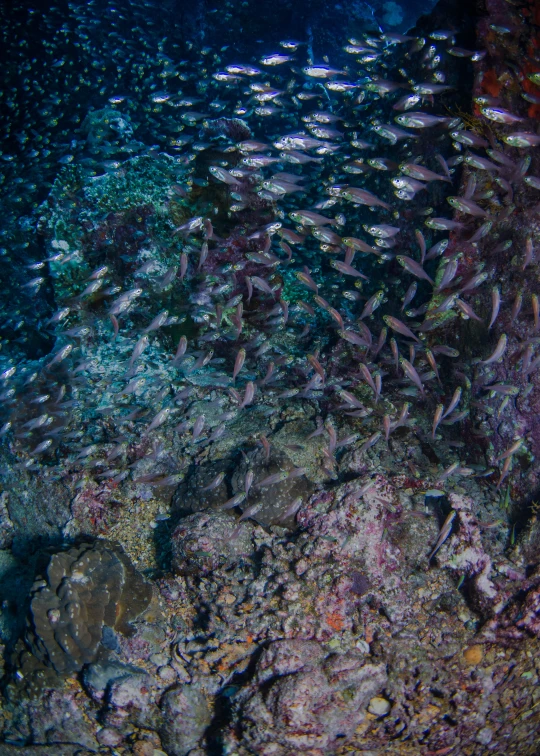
x=317, y=257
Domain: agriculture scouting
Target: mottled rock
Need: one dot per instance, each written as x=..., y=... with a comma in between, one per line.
x=98, y=677
x=202, y=542
x=305, y=704
x=57, y=717
x=108, y=736
x=186, y=716
x=131, y=691
x=190, y=496
x=379, y=706
x=272, y=499
x=286, y=658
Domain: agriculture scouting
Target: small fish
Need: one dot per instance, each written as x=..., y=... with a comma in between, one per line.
x=448, y=275
x=446, y=473
x=437, y=419
x=500, y=115
x=239, y=362
x=444, y=533
x=409, y=295
x=198, y=427
x=371, y=441
x=248, y=481
x=58, y=316
x=467, y=311
x=411, y=373
x=248, y=395
x=469, y=139
x=383, y=231
x=262, y=285
x=511, y=450
x=368, y=377
x=483, y=231
x=473, y=282
x=222, y=175
x=277, y=59
x=98, y=273
x=139, y=348
x=528, y=253
x=362, y=197
x=321, y=72
x=91, y=289
x=516, y=307
x=266, y=446
x=467, y=206
x=272, y=479
x=495, y=305
x=407, y=102
x=292, y=509
x=415, y=268
x=504, y=472
x=181, y=349
x=453, y=402
x=498, y=353
x=522, y=139
x=347, y=269
x=422, y=173
x=317, y=367
x=158, y=420
x=399, y=327
x=234, y=501
x=60, y=355
x=307, y=280
x=42, y=447
x=372, y=304
x=443, y=224
x=191, y=226
x=353, y=338
x=419, y=120
x=157, y=322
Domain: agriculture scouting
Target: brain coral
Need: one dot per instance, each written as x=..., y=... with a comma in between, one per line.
x=89, y=592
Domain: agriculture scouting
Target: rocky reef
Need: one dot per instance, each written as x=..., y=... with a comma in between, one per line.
x=241, y=518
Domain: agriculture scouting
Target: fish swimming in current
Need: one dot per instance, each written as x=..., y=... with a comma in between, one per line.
x=248, y=244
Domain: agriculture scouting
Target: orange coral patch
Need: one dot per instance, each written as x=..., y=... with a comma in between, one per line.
x=533, y=111
x=335, y=620
x=490, y=83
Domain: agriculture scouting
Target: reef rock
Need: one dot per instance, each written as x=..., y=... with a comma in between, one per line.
x=307, y=701
x=202, y=543
x=186, y=716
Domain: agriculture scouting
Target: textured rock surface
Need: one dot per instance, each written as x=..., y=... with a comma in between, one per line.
x=186, y=716
x=202, y=543
x=303, y=701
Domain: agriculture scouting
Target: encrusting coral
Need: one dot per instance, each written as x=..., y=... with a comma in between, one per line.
x=90, y=592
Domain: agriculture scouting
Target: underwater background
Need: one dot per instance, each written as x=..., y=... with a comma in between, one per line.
x=269, y=378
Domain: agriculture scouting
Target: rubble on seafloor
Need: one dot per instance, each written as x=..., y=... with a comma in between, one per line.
x=339, y=637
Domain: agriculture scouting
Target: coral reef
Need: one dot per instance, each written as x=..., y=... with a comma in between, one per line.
x=90, y=592
x=272, y=451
